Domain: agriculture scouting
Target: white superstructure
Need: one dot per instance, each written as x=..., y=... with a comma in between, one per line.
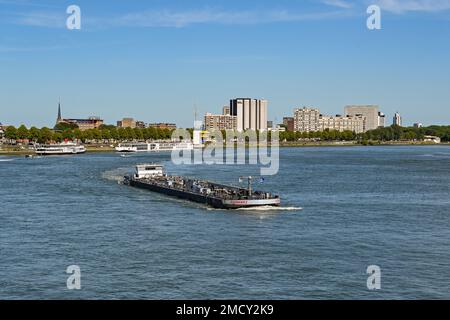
x=148, y=170
x=59, y=149
x=154, y=146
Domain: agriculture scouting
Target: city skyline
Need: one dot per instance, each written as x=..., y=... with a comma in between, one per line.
x=158, y=61
x=210, y=119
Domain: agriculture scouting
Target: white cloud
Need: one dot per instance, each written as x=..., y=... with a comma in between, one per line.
x=185, y=18
x=168, y=18
x=42, y=19
x=338, y=3
x=402, y=6
x=11, y=49
x=26, y=3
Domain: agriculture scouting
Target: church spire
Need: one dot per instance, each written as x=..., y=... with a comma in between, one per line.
x=59, y=112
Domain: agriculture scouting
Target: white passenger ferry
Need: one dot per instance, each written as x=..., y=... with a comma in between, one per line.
x=64, y=148
x=154, y=146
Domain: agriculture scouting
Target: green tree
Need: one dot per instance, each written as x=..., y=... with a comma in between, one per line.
x=121, y=134
x=68, y=135
x=33, y=134
x=114, y=134
x=78, y=134
x=88, y=135
x=138, y=134
x=57, y=136
x=107, y=126
x=22, y=132
x=45, y=135
x=11, y=133
x=63, y=126
x=106, y=134
x=129, y=134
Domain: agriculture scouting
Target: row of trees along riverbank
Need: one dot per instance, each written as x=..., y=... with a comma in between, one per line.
x=105, y=132
x=44, y=135
x=393, y=133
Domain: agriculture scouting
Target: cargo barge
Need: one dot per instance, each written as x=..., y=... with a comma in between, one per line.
x=153, y=177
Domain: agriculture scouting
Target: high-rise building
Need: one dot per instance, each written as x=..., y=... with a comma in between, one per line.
x=251, y=113
x=381, y=120
x=397, y=120
x=370, y=112
x=220, y=122
x=306, y=119
x=288, y=122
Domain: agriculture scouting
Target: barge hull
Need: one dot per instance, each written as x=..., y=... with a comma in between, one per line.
x=199, y=198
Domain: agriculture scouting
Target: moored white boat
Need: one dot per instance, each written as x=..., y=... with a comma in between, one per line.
x=65, y=148
x=154, y=146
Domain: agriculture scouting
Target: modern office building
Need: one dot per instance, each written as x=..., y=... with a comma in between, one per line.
x=169, y=126
x=342, y=123
x=381, y=120
x=289, y=123
x=397, y=120
x=418, y=125
x=251, y=113
x=83, y=124
x=311, y=120
x=220, y=122
x=306, y=119
x=370, y=112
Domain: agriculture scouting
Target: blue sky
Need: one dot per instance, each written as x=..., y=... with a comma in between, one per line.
x=154, y=60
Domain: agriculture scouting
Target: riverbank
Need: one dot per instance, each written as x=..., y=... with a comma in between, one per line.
x=356, y=144
x=17, y=151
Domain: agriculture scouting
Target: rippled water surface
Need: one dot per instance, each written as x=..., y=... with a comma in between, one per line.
x=343, y=210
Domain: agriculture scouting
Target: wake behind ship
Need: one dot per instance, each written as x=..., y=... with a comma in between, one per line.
x=153, y=178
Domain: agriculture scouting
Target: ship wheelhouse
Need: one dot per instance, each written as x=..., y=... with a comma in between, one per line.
x=149, y=171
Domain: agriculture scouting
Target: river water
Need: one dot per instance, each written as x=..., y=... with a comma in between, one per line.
x=343, y=210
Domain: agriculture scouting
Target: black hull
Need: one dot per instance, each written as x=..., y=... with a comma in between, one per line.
x=199, y=198
x=216, y=203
